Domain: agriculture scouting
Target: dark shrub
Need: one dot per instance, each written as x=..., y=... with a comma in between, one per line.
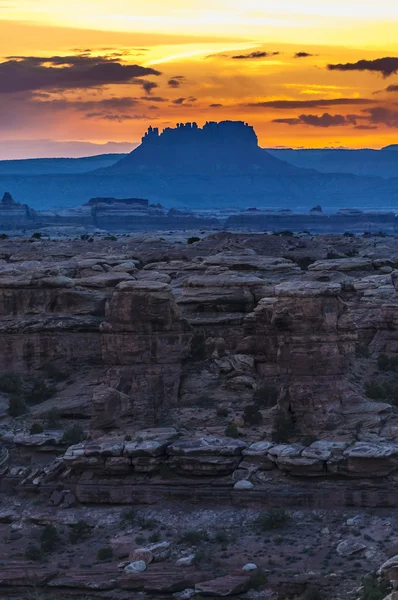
x=17, y=406
x=198, y=348
x=252, y=415
x=105, y=553
x=265, y=396
x=49, y=538
x=258, y=579
x=194, y=537
x=36, y=428
x=373, y=589
x=40, y=392
x=275, y=518
x=79, y=532
x=53, y=417
x=73, y=435
x=193, y=239
x=33, y=552
x=361, y=351
x=231, y=430
x=10, y=383
x=284, y=427
x=36, y=235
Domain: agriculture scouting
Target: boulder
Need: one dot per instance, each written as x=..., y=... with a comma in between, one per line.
x=135, y=567
x=230, y=585
x=350, y=547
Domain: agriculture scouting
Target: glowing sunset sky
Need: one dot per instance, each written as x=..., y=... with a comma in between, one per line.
x=304, y=73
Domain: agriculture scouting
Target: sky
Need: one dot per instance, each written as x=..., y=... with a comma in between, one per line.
x=305, y=74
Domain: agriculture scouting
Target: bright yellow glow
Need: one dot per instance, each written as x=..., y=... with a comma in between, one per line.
x=196, y=40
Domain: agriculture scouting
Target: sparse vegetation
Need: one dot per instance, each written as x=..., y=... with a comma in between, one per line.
x=265, y=396
x=362, y=351
x=17, y=406
x=258, y=579
x=251, y=415
x=373, y=589
x=193, y=239
x=36, y=235
x=194, y=537
x=53, y=418
x=40, y=392
x=105, y=553
x=222, y=411
x=274, y=518
x=33, y=552
x=312, y=593
x=49, y=538
x=198, y=348
x=10, y=383
x=53, y=371
x=73, y=435
x=231, y=430
x=36, y=428
x=79, y=532
x=387, y=363
x=284, y=427
x=385, y=391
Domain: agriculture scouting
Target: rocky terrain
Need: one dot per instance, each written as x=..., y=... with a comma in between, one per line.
x=205, y=415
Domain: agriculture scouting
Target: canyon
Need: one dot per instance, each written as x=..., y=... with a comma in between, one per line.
x=198, y=415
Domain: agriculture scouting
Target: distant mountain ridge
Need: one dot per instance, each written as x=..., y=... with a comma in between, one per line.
x=365, y=163
x=217, y=166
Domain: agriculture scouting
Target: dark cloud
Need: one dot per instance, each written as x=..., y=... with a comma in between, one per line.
x=392, y=88
x=174, y=83
x=386, y=66
x=257, y=54
x=148, y=86
x=29, y=73
x=289, y=104
x=303, y=55
x=382, y=116
x=183, y=101
x=105, y=104
x=150, y=98
x=325, y=120
x=216, y=105
x=115, y=117
x=366, y=127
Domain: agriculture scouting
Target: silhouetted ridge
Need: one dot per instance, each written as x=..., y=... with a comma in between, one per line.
x=187, y=148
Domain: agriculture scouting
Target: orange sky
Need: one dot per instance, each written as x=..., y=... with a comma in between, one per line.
x=185, y=51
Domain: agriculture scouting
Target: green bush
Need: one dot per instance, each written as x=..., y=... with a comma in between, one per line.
x=17, y=405
x=193, y=239
x=105, y=553
x=49, y=538
x=33, y=552
x=194, y=537
x=312, y=593
x=198, y=348
x=40, y=392
x=265, y=396
x=222, y=411
x=36, y=235
x=54, y=372
x=386, y=391
x=36, y=428
x=53, y=418
x=10, y=383
x=3, y=236
x=251, y=415
x=232, y=431
x=348, y=234
x=73, y=435
x=387, y=363
x=284, y=427
x=79, y=532
x=274, y=518
x=373, y=589
x=258, y=579
x=361, y=351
